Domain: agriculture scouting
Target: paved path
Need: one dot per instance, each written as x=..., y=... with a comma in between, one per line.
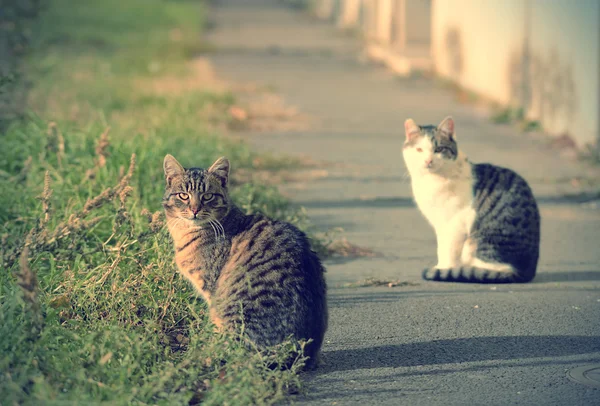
x=432, y=343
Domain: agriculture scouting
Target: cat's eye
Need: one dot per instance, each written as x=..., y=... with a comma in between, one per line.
x=183, y=196
x=441, y=149
x=419, y=149
x=207, y=197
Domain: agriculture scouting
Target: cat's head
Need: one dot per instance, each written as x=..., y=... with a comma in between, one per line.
x=196, y=196
x=430, y=149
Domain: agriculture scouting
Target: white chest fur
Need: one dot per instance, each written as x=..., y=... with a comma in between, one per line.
x=446, y=200
x=447, y=203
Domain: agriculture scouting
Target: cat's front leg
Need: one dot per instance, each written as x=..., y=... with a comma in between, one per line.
x=450, y=242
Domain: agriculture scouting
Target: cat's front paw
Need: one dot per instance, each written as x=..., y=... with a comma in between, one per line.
x=431, y=273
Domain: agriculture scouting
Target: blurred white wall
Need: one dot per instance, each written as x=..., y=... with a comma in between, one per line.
x=542, y=55
x=473, y=39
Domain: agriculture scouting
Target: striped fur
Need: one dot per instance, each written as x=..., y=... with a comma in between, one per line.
x=257, y=274
x=471, y=274
x=486, y=218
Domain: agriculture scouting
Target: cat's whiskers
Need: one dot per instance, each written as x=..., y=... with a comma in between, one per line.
x=196, y=227
x=213, y=227
x=175, y=222
x=220, y=226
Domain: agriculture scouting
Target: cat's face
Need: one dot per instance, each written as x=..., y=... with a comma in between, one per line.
x=430, y=149
x=196, y=196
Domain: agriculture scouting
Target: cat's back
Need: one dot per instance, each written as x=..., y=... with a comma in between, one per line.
x=495, y=181
x=272, y=258
x=263, y=237
x=502, y=196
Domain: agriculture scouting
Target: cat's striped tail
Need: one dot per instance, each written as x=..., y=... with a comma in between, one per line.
x=471, y=274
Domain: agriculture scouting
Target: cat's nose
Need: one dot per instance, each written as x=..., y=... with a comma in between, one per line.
x=195, y=210
x=428, y=163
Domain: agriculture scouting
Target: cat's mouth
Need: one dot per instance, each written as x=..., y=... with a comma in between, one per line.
x=208, y=223
x=428, y=168
x=433, y=167
x=198, y=221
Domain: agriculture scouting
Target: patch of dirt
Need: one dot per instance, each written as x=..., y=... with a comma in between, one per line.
x=266, y=111
x=344, y=248
x=201, y=77
x=258, y=109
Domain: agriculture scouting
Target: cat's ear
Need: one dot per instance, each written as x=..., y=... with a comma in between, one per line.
x=221, y=170
x=446, y=127
x=172, y=168
x=411, y=129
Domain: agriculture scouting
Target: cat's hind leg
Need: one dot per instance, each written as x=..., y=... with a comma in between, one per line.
x=491, y=266
x=469, y=250
x=469, y=258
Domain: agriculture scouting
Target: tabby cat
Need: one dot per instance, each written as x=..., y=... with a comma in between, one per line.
x=252, y=271
x=485, y=217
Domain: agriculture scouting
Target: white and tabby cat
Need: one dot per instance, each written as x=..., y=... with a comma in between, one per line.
x=485, y=217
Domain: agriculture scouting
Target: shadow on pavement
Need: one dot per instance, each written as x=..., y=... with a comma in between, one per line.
x=352, y=296
x=582, y=197
x=392, y=378
x=403, y=202
x=457, y=351
x=379, y=202
x=368, y=297
x=571, y=276
x=349, y=393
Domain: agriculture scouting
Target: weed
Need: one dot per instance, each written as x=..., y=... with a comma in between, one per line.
x=530, y=125
x=504, y=116
x=511, y=115
x=591, y=153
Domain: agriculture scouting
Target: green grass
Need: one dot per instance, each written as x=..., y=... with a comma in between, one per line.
x=511, y=115
x=591, y=153
x=109, y=320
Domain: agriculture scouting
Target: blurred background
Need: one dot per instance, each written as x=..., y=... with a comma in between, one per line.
x=16, y=20
x=538, y=59
x=94, y=93
x=541, y=58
